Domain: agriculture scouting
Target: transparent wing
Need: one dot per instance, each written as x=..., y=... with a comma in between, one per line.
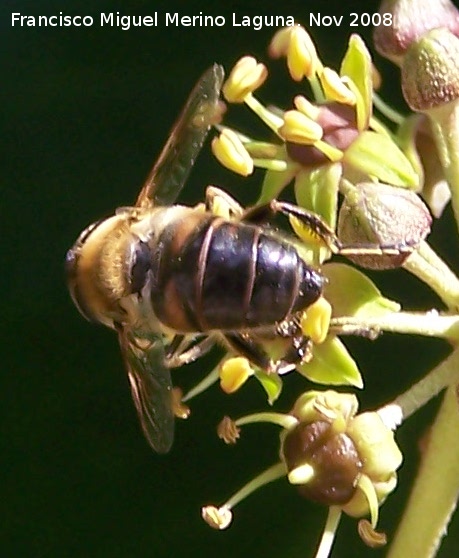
x=151, y=387
x=173, y=166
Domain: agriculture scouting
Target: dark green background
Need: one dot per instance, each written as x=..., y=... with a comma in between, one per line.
x=83, y=113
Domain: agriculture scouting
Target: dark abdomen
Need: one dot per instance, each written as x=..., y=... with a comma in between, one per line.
x=230, y=276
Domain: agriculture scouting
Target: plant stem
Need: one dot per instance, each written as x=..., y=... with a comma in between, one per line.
x=281, y=419
x=387, y=111
x=432, y=270
x=328, y=535
x=430, y=324
x=444, y=125
x=268, y=475
x=443, y=375
x=436, y=490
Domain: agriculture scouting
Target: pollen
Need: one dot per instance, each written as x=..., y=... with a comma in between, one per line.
x=316, y=320
x=300, y=129
x=335, y=88
x=246, y=76
x=234, y=373
x=302, y=57
x=231, y=153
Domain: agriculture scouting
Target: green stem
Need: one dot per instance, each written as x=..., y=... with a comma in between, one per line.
x=273, y=121
x=387, y=111
x=328, y=535
x=430, y=324
x=281, y=419
x=436, y=490
x=445, y=125
x=445, y=374
x=205, y=383
x=271, y=474
x=430, y=268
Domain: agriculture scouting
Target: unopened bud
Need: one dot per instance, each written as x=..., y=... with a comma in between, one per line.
x=388, y=223
x=430, y=71
x=406, y=21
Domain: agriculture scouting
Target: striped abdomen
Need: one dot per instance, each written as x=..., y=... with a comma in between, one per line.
x=229, y=276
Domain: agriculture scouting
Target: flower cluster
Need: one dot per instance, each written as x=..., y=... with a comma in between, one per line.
x=371, y=181
x=333, y=455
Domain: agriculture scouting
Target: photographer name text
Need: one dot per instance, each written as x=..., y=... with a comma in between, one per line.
x=175, y=19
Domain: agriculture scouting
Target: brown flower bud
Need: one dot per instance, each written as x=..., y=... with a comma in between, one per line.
x=410, y=20
x=387, y=222
x=430, y=71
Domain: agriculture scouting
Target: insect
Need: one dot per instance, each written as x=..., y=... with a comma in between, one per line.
x=174, y=280
x=107, y=267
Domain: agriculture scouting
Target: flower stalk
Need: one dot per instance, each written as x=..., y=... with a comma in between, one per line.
x=435, y=493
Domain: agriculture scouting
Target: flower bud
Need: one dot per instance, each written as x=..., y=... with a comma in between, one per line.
x=338, y=457
x=392, y=221
x=430, y=71
x=410, y=20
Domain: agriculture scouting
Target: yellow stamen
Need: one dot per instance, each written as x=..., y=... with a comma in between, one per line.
x=279, y=43
x=306, y=107
x=234, y=372
x=298, y=128
x=302, y=60
x=246, y=76
x=316, y=320
x=301, y=475
x=217, y=518
x=335, y=88
x=231, y=153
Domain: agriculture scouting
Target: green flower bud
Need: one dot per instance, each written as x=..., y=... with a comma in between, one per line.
x=388, y=220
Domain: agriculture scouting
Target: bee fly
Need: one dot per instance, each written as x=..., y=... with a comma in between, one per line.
x=174, y=280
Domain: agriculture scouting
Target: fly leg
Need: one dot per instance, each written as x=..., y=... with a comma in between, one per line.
x=182, y=351
x=320, y=229
x=300, y=349
x=248, y=347
x=179, y=352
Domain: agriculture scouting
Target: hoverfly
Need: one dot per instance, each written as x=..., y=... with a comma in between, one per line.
x=110, y=260
x=173, y=280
